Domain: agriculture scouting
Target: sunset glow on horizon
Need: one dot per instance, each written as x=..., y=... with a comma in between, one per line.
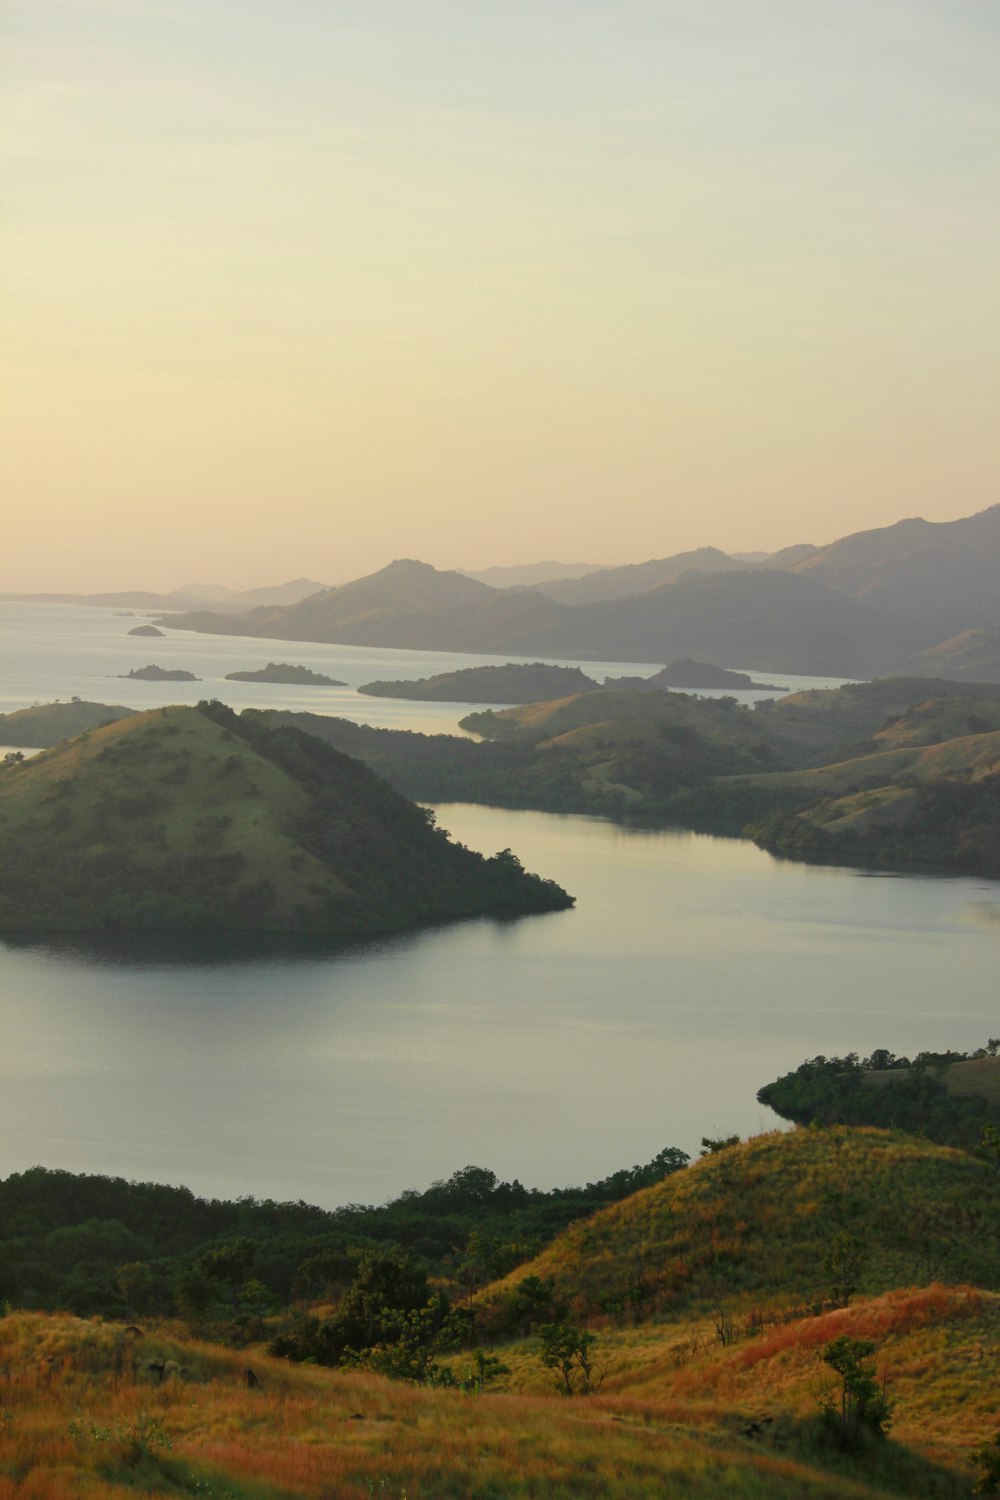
x=301, y=289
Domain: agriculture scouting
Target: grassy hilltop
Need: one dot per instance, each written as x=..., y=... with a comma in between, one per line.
x=189, y=818
x=710, y=1384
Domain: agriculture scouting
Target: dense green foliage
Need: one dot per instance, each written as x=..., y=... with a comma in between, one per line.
x=285, y=672
x=887, y=1092
x=66, y=1237
x=948, y=825
x=47, y=723
x=512, y=683
x=877, y=774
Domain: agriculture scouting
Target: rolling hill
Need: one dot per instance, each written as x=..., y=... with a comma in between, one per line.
x=749, y=1225
x=191, y=819
x=972, y=655
x=711, y=1301
x=46, y=724
x=933, y=578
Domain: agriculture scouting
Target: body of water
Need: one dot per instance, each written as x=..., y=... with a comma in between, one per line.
x=555, y=1049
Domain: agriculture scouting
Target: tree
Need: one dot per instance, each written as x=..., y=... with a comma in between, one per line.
x=842, y=1264
x=135, y=1281
x=859, y=1403
x=987, y=1459
x=566, y=1349
x=989, y=1146
x=711, y=1145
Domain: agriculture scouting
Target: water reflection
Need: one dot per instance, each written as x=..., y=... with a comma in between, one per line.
x=553, y=1048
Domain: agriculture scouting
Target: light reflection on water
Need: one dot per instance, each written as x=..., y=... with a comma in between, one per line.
x=554, y=1048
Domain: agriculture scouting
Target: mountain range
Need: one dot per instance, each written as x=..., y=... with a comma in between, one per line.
x=872, y=602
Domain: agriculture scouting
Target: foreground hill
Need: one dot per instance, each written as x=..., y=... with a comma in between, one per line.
x=751, y=1226
x=91, y=1415
x=188, y=818
x=714, y=1299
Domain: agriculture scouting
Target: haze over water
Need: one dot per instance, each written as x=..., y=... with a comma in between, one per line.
x=553, y=1049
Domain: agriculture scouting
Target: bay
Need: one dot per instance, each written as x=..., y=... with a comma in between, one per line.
x=554, y=1049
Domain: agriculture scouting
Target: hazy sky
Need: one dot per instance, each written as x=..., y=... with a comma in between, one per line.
x=302, y=287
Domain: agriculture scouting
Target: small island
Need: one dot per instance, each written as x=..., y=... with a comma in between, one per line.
x=284, y=672
x=145, y=630
x=536, y=682
x=694, y=675
x=159, y=674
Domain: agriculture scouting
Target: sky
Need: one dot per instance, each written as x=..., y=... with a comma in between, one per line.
x=298, y=289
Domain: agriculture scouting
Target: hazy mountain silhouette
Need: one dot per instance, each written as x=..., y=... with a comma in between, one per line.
x=637, y=578
x=527, y=575
x=935, y=578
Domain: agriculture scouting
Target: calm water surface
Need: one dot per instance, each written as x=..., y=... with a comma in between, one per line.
x=553, y=1049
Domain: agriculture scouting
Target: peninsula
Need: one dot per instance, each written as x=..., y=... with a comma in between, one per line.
x=187, y=819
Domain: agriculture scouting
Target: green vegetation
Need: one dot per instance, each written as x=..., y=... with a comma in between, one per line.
x=153, y=673
x=192, y=819
x=687, y=675
x=751, y=1381
x=47, y=723
x=755, y=1226
x=950, y=1097
x=286, y=673
x=894, y=774
x=511, y=683
x=77, y=1242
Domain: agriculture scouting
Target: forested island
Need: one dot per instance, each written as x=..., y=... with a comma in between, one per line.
x=511, y=683
x=283, y=672
x=694, y=676
x=153, y=673
x=192, y=819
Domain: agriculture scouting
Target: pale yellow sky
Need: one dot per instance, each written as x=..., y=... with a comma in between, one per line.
x=298, y=289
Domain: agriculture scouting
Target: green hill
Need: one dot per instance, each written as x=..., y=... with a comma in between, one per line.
x=189, y=818
x=511, y=683
x=752, y=1225
x=47, y=723
x=871, y=773
x=971, y=655
x=952, y=1098
x=713, y=1301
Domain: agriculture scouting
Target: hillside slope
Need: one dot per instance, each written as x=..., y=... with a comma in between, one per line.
x=45, y=724
x=751, y=1225
x=191, y=819
x=933, y=578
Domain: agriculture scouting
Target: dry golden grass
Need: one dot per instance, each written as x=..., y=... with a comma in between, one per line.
x=751, y=1225
x=80, y=1415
